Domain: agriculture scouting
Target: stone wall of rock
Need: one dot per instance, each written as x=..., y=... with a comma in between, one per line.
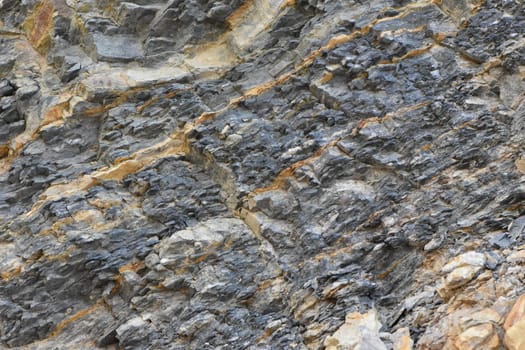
x=262, y=174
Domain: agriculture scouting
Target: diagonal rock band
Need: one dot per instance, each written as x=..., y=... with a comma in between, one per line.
x=262, y=174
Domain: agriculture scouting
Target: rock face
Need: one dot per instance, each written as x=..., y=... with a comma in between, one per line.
x=262, y=174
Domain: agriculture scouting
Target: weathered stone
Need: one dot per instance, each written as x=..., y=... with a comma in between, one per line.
x=514, y=338
x=277, y=204
x=359, y=332
x=515, y=325
x=482, y=336
x=136, y=18
x=402, y=340
x=460, y=276
x=463, y=268
x=243, y=174
x=6, y=64
x=487, y=315
x=119, y=47
x=514, y=317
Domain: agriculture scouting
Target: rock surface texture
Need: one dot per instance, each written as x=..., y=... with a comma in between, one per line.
x=262, y=174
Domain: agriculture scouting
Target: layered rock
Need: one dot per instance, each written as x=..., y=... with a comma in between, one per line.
x=262, y=174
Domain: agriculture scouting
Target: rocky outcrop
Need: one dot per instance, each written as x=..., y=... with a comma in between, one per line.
x=262, y=174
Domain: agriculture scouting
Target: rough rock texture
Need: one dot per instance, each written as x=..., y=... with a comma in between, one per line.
x=262, y=174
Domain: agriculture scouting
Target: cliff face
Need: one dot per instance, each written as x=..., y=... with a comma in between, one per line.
x=262, y=174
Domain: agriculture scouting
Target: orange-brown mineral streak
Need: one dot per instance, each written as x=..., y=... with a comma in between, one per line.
x=39, y=26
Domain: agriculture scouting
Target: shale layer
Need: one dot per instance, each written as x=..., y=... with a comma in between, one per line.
x=262, y=174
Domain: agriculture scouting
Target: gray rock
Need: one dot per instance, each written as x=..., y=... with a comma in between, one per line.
x=6, y=89
x=260, y=174
x=117, y=48
x=6, y=64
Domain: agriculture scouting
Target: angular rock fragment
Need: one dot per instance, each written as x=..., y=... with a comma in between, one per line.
x=117, y=48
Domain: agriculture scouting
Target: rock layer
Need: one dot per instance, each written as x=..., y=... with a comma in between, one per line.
x=261, y=174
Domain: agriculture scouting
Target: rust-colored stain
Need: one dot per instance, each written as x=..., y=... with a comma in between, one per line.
x=330, y=253
x=37, y=256
x=53, y=114
x=238, y=14
x=122, y=98
x=154, y=99
x=414, y=53
x=388, y=271
x=308, y=304
x=202, y=257
x=426, y=147
x=80, y=314
x=42, y=19
x=254, y=91
x=211, y=250
x=204, y=117
x=363, y=124
x=326, y=78
x=59, y=112
x=134, y=267
x=63, y=257
x=308, y=61
x=55, y=228
x=439, y=37
x=6, y=275
x=4, y=151
x=258, y=90
x=493, y=63
x=119, y=171
x=118, y=284
x=280, y=180
x=266, y=335
x=332, y=293
x=8, y=155
x=289, y=172
x=39, y=26
x=478, y=6
x=264, y=87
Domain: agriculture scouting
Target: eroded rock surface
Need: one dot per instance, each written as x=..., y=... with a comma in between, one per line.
x=262, y=174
